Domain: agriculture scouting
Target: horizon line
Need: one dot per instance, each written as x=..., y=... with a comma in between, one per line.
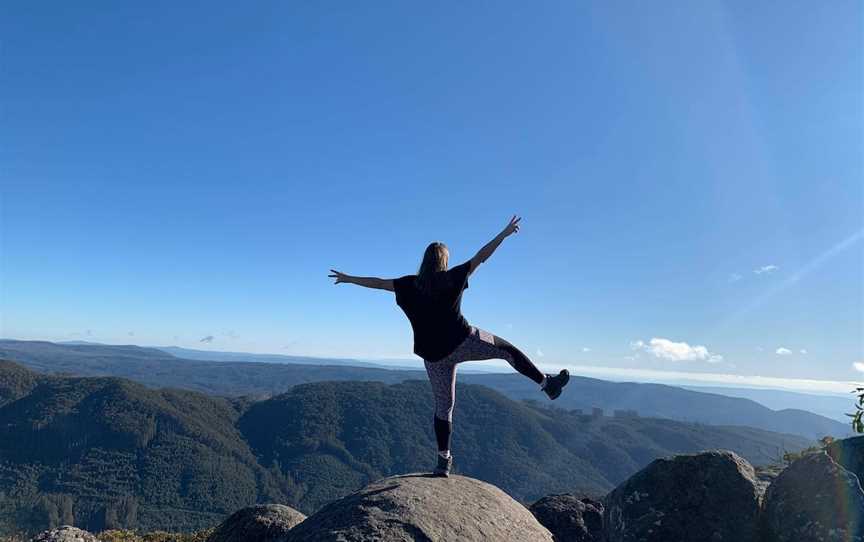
x=620, y=374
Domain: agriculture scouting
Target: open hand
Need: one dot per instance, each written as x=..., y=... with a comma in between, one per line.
x=513, y=226
x=340, y=277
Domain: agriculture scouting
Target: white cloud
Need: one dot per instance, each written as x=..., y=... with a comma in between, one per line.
x=765, y=269
x=783, y=352
x=540, y=353
x=858, y=366
x=586, y=349
x=804, y=351
x=672, y=351
x=735, y=277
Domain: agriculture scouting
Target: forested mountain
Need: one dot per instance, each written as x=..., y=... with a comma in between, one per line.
x=157, y=368
x=106, y=452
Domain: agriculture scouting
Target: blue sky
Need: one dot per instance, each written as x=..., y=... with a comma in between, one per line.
x=687, y=173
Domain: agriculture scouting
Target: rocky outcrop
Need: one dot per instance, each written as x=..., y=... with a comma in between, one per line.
x=66, y=533
x=849, y=454
x=417, y=507
x=765, y=476
x=261, y=523
x=570, y=518
x=814, y=499
x=707, y=497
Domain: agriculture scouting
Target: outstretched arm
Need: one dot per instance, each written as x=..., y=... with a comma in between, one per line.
x=489, y=248
x=367, y=282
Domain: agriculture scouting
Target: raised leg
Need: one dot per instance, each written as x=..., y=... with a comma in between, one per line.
x=479, y=345
x=484, y=345
x=518, y=360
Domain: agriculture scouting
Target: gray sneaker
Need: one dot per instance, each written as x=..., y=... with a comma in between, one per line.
x=554, y=384
x=443, y=467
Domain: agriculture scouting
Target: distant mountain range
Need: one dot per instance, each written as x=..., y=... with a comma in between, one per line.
x=671, y=402
x=158, y=368
x=209, y=355
x=109, y=452
x=244, y=357
x=831, y=406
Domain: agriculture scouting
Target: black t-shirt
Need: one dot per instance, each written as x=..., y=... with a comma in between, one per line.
x=437, y=320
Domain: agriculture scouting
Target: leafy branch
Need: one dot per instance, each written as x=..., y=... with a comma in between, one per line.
x=858, y=415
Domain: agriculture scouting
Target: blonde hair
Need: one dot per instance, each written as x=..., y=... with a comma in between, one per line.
x=434, y=260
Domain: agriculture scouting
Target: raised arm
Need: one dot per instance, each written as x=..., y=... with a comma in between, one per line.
x=366, y=282
x=489, y=248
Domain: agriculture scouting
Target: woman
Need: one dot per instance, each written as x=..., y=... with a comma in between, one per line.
x=432, y=300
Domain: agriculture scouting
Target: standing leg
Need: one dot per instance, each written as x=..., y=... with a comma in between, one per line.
x=442, y=377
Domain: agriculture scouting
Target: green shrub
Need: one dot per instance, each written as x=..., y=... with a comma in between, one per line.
x=858, y=415
x=155, y=536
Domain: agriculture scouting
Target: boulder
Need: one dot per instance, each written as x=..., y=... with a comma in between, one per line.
x=261, y=523
x=706, y=497
x=570, y=518
x=814, y=499
x=419, y=507
x=66, y=533
x=849, y=454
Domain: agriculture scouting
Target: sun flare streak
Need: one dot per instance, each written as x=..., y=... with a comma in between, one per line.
x=811, y=266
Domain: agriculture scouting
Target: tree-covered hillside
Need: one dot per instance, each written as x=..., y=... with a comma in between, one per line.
x=110, y=452
x=158, y=369
x=365, y=430
x=107, y=452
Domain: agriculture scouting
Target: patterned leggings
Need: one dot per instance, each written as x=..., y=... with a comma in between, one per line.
x=477, y=346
